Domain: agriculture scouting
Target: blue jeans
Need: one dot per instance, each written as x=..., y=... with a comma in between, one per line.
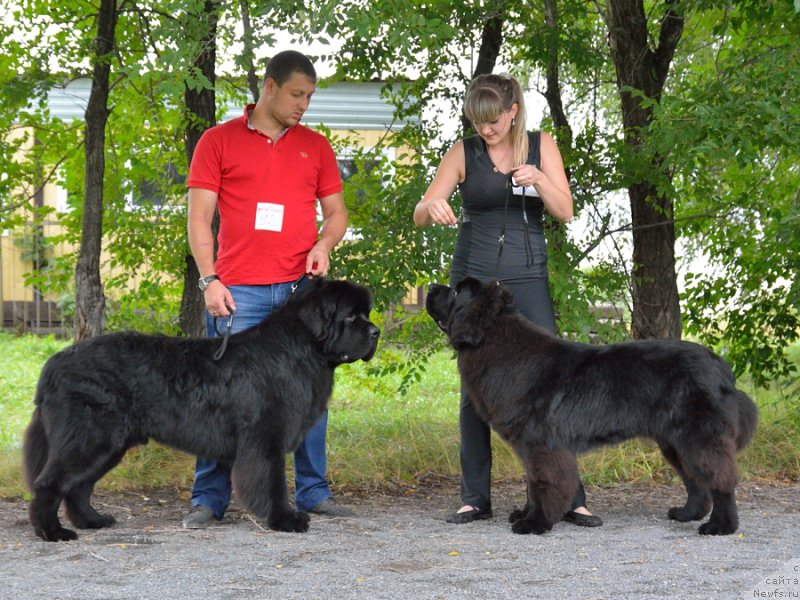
x=212, y=481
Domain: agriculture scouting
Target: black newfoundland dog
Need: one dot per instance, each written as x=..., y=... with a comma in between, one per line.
x=100, y=397
x=550, y=398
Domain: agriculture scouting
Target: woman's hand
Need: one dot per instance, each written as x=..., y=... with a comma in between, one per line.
x=438, y=211
x=434, y=209
x=550, y=181
x=526, y=176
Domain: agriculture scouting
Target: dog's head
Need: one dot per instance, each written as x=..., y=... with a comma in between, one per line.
x=465, y=312
x=337, y=313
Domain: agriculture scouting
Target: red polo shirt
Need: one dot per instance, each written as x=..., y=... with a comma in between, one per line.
x=267, y=192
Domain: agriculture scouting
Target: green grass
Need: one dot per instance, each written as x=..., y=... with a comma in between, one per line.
x=22, y=360
x=379, y=439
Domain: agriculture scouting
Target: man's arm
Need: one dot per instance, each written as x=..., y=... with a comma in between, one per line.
x=334, y=226
x=202, y=206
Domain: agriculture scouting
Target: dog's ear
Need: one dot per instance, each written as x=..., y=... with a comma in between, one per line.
x=499, y=299
x=316, y=309
x=465, y=327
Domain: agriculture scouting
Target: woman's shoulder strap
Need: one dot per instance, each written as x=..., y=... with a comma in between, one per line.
x=472, y=144
x=473, y=148
x=535, y=148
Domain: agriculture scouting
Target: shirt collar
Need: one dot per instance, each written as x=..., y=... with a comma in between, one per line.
x=246, y=119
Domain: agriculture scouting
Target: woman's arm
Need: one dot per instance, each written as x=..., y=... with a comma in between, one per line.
x=434, y=208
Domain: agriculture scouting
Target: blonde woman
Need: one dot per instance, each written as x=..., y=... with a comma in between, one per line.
x=507, y=177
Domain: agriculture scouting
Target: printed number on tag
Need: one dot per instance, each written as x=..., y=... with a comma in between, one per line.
x=269, y=216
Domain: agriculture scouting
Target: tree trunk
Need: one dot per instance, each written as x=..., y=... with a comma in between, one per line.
x=552, y=92
x=247, y=54
x=201, y=108
x=89, y=297
x=656, y=310
x=491, y=41
x=555, y=105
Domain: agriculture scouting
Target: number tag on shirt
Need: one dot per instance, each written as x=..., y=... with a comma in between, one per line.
x=269, y=216
x=529, y=191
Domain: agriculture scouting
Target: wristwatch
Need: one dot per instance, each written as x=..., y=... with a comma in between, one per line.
x=204, y=281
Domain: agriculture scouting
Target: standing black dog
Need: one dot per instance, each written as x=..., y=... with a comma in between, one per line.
x=100, y=397
x=550, y=398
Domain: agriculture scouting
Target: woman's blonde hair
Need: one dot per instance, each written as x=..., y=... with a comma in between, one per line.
x=489, y=96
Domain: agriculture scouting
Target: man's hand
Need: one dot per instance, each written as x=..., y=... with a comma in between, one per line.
x=217, y=296
x=318, y=261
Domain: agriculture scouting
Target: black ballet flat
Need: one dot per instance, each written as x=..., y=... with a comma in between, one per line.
x=582, y=520
x=468, y=516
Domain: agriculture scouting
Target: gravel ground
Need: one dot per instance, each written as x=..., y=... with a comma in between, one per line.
x=400, y=547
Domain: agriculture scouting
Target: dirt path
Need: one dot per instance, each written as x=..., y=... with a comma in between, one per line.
x=400, y=547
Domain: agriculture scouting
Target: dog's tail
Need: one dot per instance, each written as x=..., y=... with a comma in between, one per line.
x=35, y=449
x=748, y=418
x=745, y=407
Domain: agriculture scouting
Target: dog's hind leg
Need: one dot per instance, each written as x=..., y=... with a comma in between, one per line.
x=71, y=477
x=80, y=510
x=77, y=500
x=698, y=499
x=47, y=494
x=720, y=456
x=553, y=479
x=724, y=518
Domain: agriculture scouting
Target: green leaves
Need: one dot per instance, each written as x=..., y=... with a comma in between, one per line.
x=724, y=132
x=728, y=132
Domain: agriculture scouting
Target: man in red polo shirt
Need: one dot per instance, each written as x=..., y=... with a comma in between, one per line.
x=265, y=173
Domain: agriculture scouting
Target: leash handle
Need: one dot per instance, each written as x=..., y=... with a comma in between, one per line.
x=225, y=336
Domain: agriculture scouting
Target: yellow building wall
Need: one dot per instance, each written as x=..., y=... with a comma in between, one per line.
x=12, y=271
x=13, y=266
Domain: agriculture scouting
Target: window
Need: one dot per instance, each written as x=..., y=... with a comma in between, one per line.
x=349, y=159
x=155, y=192
x=62, y=200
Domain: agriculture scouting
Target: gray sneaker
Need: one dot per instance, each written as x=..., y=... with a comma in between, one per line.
x=199, y=517
x=330, y=508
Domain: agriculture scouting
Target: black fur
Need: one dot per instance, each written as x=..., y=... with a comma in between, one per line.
x=102, y=396
x=551, y=398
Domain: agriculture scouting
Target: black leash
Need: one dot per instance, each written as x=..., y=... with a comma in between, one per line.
x=501, y=240
x=226, y=335
x=528, y=249
x=297, y=282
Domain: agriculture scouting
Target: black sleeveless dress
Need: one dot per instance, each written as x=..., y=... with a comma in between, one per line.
x=485, y=207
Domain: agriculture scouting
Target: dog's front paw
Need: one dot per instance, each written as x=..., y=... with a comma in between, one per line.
x=96, y=522
x=682, y=515
x=526, y=526
x=716, y=528
x=516, y=515
x=295, y=522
